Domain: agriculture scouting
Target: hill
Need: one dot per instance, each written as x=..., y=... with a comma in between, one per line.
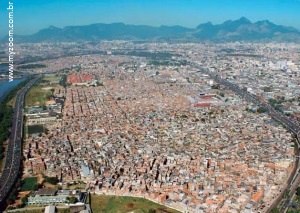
x=237, y=30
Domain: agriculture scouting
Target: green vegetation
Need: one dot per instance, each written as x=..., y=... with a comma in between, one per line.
x=267, y=89
x=29, y=184
x=298, y=191
x=72, y=200
x=45, y=81
x=76, y=186
x=221, y=94
x=112, y=204
x=32, y=66
x=5, y=123
x=34, y=129
x=277, y=103
x=168, y=62
x=215, y=86
x=275, y=210
x=37, y=96
x=63, y=81
x=250, y=110
x=88, y=198
x=24, y=200
x=51, y=180
x=298, y=195
x=52, y=78
x=14, y=192
x=262, y=110
x=293, y=211
x=99, y=84
x=43, y=91
x=63, y=210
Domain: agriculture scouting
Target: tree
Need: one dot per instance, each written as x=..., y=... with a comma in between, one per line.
x=298, y=191
x=99, y=84
x=261, y=110
x=72, y=200
x=267, y=89
x=215, y=86
x=34, y=187
x=51, y=180
x=24, y=200
x=275, y=210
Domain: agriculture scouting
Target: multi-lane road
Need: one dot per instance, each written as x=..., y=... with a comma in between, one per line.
x=291, y=125
x=13, y=153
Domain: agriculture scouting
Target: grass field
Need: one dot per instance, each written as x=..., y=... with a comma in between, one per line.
x=37, y=96
x=35, y=129
x=116, y=204
x=49, y=185
x=29, y=184
x=77, y=186
x=52, y=78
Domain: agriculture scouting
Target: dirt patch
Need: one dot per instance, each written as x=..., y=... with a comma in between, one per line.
x=21, y=195
x=160, y=210
x=129, y=205
x=40, y=179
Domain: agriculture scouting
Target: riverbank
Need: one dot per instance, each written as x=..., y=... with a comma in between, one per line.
x=6, y=86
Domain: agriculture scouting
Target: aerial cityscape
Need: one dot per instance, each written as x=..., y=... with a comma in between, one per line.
x=150, y=113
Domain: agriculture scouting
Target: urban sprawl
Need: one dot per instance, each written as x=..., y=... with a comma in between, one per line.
x=142, y=119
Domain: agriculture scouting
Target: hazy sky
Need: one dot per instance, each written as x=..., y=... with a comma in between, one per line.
x=33, y=15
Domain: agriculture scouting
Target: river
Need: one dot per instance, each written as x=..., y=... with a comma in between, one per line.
x=6, y=86
x=4, y=69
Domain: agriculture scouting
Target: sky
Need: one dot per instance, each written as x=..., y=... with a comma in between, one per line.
x=29, y=16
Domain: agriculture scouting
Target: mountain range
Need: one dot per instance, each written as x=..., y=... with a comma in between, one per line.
x=237, y=30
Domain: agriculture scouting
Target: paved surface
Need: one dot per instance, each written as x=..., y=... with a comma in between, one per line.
x=290, y=124
x=13, y=153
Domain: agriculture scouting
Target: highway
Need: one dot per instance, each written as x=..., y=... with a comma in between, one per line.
x=13, y=153
x=291, y=125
